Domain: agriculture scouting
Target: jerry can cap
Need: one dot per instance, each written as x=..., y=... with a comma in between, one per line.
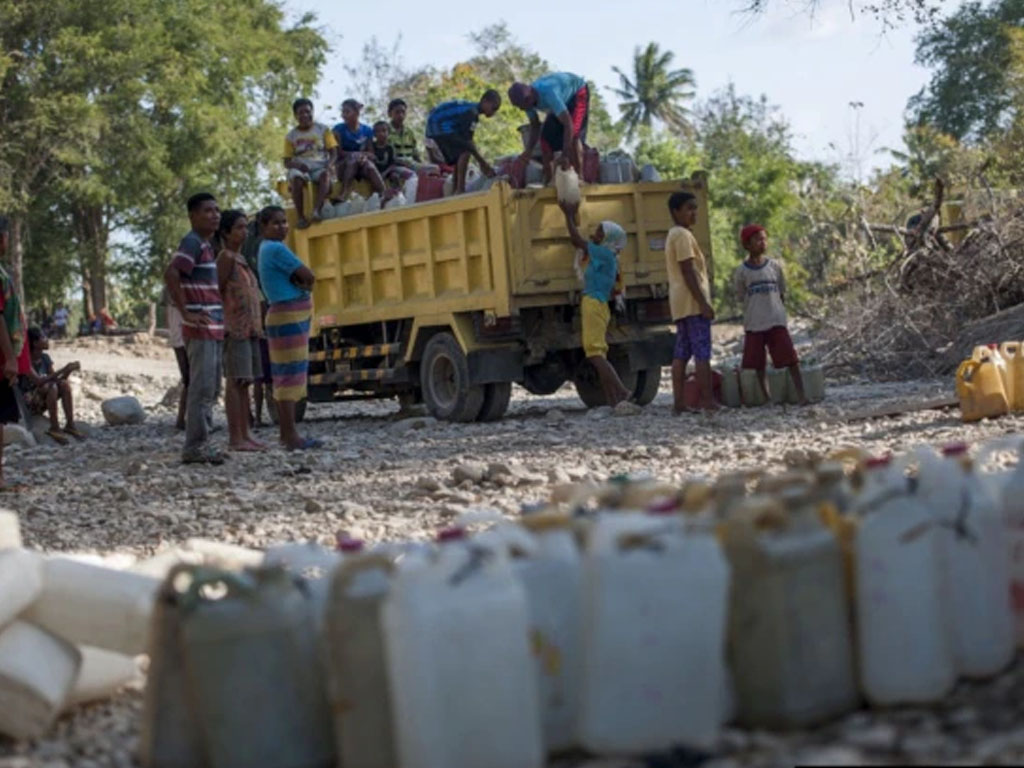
x=877, y=462
x=992, y=345
x=454, y=533
x=664, y=506
x=346, y=544
x=954, y=449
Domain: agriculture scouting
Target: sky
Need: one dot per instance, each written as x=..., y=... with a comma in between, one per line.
x=842, y=82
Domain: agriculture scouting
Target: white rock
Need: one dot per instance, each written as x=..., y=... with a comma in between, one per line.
x=471, y=471
x=15, y=434
x=119, y=411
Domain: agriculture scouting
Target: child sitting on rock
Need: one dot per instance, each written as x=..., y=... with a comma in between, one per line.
x=602, y=269
x=43, y=387
x=760, y=285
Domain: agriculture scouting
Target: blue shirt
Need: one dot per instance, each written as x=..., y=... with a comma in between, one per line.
x=276, y=265
x=453, y=118
x=352, y=141
x=602, y=269
x=554, y=92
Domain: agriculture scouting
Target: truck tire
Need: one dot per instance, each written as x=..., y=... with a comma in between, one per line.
x=647, y=383
x=444, y=378
x=496, y=400
x=588, y=385
x=300, y=409
x=546, y=378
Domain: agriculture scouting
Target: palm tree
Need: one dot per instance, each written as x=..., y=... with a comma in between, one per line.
x=655, y=92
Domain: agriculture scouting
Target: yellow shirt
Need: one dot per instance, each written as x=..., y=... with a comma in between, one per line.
x=311, y=145
x=680, y=246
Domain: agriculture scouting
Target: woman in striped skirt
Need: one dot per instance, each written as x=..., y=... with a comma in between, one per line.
x=287, y=283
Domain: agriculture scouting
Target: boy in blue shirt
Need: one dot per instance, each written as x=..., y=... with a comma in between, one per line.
x=602, y=269
x=355, y=152
x=451, y=126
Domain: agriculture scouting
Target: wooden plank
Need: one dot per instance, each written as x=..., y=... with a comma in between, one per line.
x=900, y=407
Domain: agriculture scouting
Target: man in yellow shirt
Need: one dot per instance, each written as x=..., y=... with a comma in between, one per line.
x=310, y=150
x=689, y=297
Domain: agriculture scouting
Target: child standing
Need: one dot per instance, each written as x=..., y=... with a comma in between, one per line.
x=602, y=267
x=760, y=284
x=689, y=299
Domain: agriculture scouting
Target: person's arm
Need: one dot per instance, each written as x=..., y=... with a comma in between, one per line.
x=225, y=266
x=290, y=161
x=172, y=279
x=532, y=138
x=485, y=167
x=693, y=283
x=570, y=209
x=782, y=282
x=7, y=348
x=569, y=138
x=303, y=277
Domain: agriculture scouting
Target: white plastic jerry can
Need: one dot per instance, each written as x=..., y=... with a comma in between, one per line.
x=654, y=620
x=10, y=530
x=102, y=674
x=549, y=572
x=37, y=671
x=790, y=644
x=906, y=652
x=353, y=640
x=1009, y=494
x=21, y=581
x=462, y=685
x=92, y=605
x=313, y=562
x=975, y=561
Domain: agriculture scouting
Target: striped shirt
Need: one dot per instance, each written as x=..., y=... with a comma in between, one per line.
x=197, y=266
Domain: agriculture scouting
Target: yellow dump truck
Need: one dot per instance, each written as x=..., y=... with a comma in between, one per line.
x=452, y=301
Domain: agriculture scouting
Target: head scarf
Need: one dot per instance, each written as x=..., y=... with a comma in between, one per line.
x=749, y=231
x=614, y=235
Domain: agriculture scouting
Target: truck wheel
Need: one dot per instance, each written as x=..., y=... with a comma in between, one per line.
x=647, y=383
x=546, y=378
x=444, y=377
x=588, y=385
x=496, y=400
x=300, y=409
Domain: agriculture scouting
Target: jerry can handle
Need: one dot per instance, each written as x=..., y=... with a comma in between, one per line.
x=964, y=374
x=349, y=569
x=204, y=576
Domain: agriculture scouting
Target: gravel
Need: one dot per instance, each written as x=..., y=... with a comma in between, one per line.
x=380, y=477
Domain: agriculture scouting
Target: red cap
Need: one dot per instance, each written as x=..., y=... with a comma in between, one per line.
x=878, y=461
x=665, y=506
x=954, y=449
x=451, y=534
x=992, y=346
x=749, y=231
x=350, y=545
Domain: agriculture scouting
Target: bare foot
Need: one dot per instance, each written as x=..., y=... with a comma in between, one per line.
x=244, y=447
x=258, y=444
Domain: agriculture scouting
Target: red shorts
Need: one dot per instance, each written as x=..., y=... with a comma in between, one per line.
x=551, y=134
x=778, y=343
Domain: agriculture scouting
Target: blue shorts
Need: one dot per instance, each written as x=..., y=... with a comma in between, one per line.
x=693, y=339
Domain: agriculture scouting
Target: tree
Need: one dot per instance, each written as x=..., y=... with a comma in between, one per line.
x=654, y=91
x=889, y=12
x=969, y=96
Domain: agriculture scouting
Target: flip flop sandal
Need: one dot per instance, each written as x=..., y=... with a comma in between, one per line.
x=57, y=436
x=307, y=444
x=75, y=433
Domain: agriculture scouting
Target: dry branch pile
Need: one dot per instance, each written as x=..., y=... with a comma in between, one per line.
x=915, y=317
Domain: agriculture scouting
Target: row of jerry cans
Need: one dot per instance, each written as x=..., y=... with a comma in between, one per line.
x=55, y=649
x=991, y=382
x=741, y=386
x=482, y=651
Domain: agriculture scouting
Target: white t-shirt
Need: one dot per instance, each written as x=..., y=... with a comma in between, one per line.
x=761, y=288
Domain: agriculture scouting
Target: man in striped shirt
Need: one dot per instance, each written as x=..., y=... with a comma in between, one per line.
x=191, y=280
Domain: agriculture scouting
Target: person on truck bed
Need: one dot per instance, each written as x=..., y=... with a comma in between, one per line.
x=451, y=126
x=760, y=285
x=287, y=284
x=566, y=99
x=384, y=158
x=689, y=300
x=602, y=268
x=356, y=160
x=310, y=154
x=401, y=136
x=191, y=280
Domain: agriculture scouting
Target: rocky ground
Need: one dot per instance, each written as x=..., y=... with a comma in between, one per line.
x=384, y=476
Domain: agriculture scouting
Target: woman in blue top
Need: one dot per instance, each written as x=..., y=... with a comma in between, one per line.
x=287, y=283
x=602, y=269
x=355, y=153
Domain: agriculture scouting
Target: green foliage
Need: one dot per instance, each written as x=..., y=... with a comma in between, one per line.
x=969, y=96
x=654, y=91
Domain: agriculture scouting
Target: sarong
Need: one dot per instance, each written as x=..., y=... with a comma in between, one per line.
x=287, y=328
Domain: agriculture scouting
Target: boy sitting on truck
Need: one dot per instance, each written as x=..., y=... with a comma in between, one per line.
x=602, y=268
x=385, y=159
x=760, y=284
x=688, y=297
x=401, y=136
x=309, y=155
x=451, y=126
